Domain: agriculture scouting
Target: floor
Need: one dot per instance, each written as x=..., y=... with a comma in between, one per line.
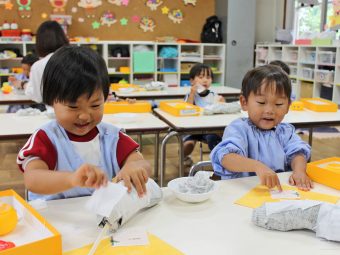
x=12, y=178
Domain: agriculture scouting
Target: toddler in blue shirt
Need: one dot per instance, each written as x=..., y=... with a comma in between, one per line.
x=261, y=144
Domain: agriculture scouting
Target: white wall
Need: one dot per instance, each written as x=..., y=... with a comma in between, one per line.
x=269, y=16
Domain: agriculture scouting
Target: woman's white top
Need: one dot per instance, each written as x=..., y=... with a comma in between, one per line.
x=33, y=87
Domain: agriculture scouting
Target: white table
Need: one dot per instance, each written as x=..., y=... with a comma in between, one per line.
x=177, y=92
x=205, y=124
x=217, y=226
x=13, y=98
x=15, y=127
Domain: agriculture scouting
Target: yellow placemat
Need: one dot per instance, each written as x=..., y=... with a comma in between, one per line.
x=156, y=246
x=260, y=194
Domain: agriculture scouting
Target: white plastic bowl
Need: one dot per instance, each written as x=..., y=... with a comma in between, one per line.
x=188, y=197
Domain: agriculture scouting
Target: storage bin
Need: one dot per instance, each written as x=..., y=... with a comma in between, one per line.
x=307, y=73
x=325, y=171
x=144, y=62
x=303, y=41
x=324, y=76
x=293, y=70
x=186, y=67
x=322, y=42
x=278, y=54
x=326, y=91
x=185, y=83
x=310, y=56
x=261, y=53
x=293, y=55
x=306, y=89
x=327, y=57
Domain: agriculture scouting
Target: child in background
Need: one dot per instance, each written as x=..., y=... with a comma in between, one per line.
x=19, y=80
x=281, y=64
x=201, y=77
x=75, y=153
x=261, y=144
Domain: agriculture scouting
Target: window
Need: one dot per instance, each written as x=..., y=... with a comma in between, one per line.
x=307, y=19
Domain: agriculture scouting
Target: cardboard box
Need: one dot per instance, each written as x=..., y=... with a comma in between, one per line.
x=123, y=106
x=33, y=235
x=325, y=171
x=319, y=105
x=180, y=108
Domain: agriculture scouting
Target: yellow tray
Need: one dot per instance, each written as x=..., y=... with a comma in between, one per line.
x=45, y=238
x=319, y=105
x=180, y=108
x=123, y=106
x=325, y=171
x=117, y=86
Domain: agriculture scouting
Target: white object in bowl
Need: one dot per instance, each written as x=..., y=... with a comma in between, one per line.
x=190, y=197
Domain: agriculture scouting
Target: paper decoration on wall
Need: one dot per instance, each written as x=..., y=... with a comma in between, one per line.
x=95, y=24
x=44, y=15
x=125, y=2
x=123, y=21
x=176, y=16
x=74, y=9
x=193, y=2
x=108, y=18
x=58, y=5
x=135, y=19
x=147, y=24
x=153, y=4
x=63, y=20
x=90, y=6
x=165, y=10
x=9, y=5
x=116, y=2
x=3, y=2
x=334, y=23
x=81, y=20
x=24, y=8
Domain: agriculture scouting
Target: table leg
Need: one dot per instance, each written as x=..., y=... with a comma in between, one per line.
x=140, y=141
x=156, y=157
x=163, y=158
x=310, y=137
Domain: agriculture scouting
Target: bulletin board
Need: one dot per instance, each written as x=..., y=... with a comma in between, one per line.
x=115, y=19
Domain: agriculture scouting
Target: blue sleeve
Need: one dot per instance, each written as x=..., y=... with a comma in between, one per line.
x=293, y=144
x=234, y=141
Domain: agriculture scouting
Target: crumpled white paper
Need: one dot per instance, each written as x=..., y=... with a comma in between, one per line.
x=200, y=183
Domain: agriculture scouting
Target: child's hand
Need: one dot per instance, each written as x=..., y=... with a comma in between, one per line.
x=301, y=180
x=268, y=177
x=134, y=174
x=88, y=176
x=221, y=99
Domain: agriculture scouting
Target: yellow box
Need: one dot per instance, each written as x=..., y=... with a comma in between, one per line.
x=118, y=86
x=17, y=70
x=325, y=171
x=36, y=237
x=180, y=108
x=296, y=106
x=319, y=105
x=124, y=69
x=123, y=106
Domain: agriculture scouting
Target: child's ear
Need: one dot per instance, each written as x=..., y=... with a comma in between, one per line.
x=243, y=103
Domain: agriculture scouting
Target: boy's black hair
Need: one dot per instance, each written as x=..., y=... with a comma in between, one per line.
x=71, y=72
x=281, y=64
x=269, y=75
x=199, y=69
x=50, y=37
x=29, y=59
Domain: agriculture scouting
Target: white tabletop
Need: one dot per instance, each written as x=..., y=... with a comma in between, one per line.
x=177, y=92
x=217, y=226
x=13, y=98
x=14, y=126
x=219, y=121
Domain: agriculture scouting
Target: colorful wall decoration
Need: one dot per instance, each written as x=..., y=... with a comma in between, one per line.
x=114, y=19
